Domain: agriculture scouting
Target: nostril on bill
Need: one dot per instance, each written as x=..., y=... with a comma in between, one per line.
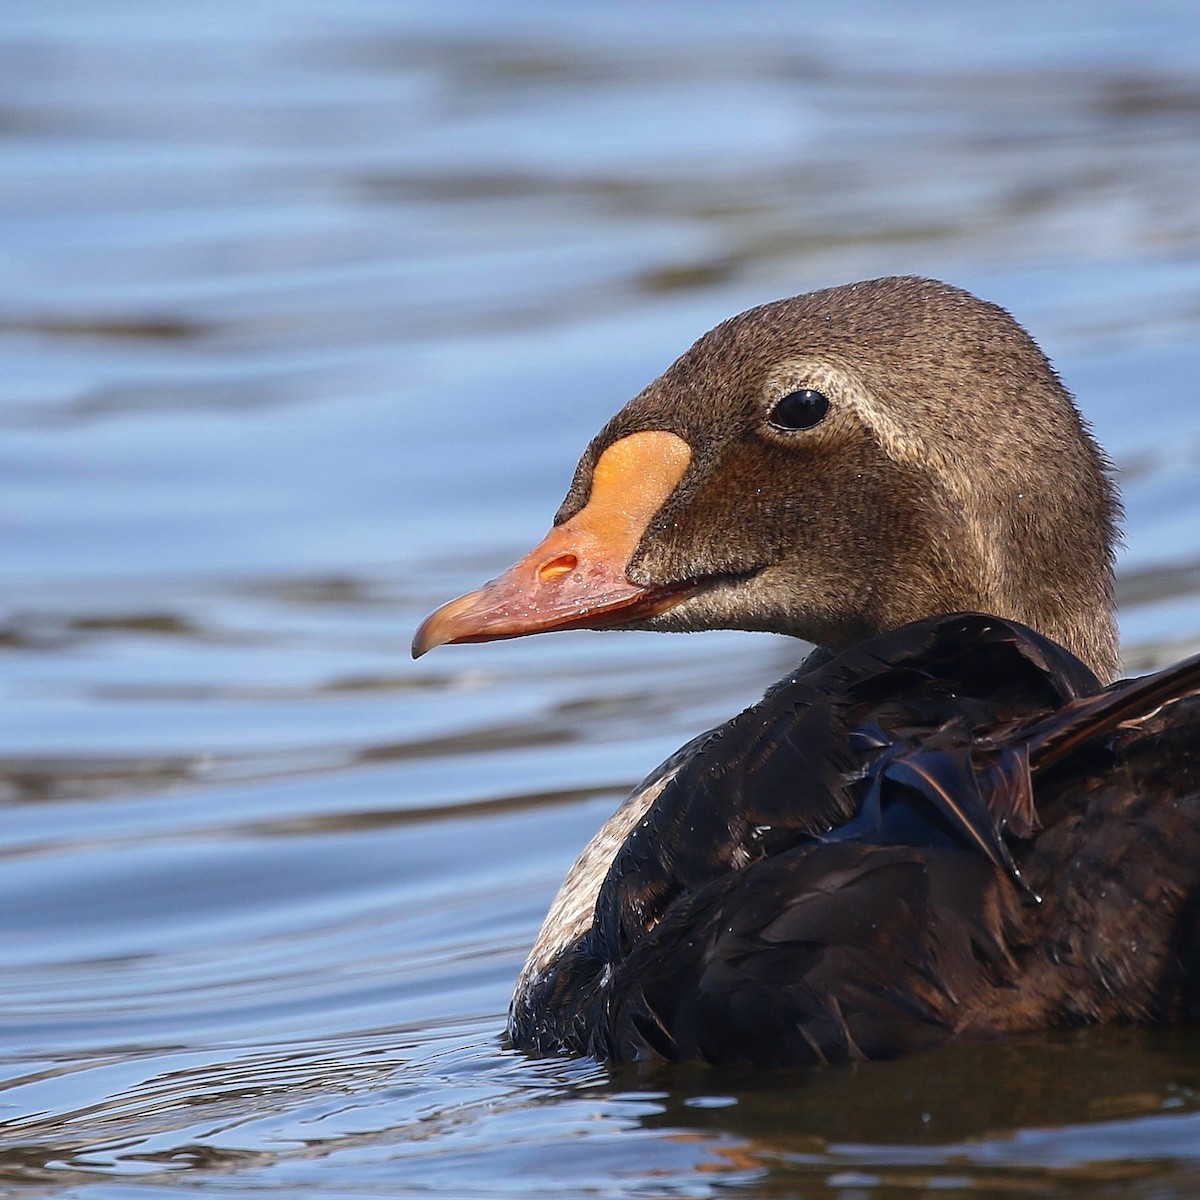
x=561, y=564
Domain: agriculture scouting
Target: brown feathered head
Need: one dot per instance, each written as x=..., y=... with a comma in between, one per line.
x=830, y=466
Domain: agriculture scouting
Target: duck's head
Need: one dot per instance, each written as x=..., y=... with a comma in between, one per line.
x=830, y=466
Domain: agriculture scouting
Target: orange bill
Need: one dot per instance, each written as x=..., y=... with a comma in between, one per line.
x=575, y=577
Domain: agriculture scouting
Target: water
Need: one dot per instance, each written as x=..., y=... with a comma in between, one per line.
x=308, y=308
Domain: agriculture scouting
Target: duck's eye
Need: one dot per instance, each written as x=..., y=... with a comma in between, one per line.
x=799, y=410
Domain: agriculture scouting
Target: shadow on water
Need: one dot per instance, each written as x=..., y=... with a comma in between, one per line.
x=1060, y=1114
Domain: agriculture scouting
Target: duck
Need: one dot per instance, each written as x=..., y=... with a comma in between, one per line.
x=951, y=820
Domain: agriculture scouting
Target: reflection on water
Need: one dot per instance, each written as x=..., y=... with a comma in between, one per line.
x=308, y=310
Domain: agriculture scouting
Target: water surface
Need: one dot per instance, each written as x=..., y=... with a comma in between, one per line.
x=308, y=309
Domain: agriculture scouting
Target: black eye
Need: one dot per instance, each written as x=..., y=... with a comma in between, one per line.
x=799, y=410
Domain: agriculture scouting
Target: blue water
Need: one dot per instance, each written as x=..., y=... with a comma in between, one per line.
x=307, y=310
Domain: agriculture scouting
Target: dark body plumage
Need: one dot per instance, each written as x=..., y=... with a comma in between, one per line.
x=943, y=824
x=833, y=874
